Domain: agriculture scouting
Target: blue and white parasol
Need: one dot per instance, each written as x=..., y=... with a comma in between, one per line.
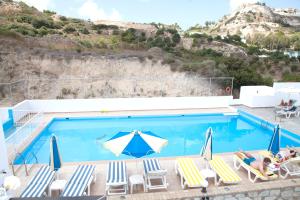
x=274, y=145
x=135, y=143
x=207, y=148
x=55, y=159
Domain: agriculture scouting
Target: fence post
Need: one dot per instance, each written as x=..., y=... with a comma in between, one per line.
x=232, y=85
x=210, y=86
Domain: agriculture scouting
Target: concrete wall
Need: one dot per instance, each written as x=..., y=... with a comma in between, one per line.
x=257, y=96
x=285, y=193
x=264, y=96
x=119, y=104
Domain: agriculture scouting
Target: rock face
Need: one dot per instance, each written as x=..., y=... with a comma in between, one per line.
x=255, y=18
x=42, y=73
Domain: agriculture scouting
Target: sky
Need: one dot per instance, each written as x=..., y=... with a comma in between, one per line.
x=186, y=13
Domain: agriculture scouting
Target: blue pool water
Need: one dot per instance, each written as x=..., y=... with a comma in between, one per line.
x=81, y=139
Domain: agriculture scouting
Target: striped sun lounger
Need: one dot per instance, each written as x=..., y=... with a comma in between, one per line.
x=190, y=176
x=223, y=172
x=80, y=181
x=154, y=175
x=116, y=178
x=39, y=183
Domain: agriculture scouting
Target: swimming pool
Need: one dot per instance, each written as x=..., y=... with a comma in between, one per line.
x=81, y=139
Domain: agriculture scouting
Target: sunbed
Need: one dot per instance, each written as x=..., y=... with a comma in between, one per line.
x=154, y=175
x=190, y=176
x=238, y=163
x=290, y=167
x=288, y=113
x=80, y=181
x=224, y=173
x=39, y=183
x=116, y=178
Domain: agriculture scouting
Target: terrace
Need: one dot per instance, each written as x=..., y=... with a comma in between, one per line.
x=254, y=100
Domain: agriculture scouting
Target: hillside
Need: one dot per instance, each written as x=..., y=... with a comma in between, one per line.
x=251, y=19
x=118, y=59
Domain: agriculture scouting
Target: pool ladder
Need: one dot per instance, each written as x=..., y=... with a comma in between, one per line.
x=264, y=124
x=24, y=163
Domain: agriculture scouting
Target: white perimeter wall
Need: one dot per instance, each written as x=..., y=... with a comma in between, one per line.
x=4, y=114
x=264, y=96
x=3, y=153
x=119, y=104
x=257, y=96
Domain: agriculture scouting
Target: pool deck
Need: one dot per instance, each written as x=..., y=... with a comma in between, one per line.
x=134, y=166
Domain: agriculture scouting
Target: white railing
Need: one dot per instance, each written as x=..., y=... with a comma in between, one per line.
x=22, y=116
x=18, y=139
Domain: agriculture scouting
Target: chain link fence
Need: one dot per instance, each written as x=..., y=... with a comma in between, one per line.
x=103, y=87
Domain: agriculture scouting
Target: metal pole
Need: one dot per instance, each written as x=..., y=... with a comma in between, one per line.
x=11, y=97
x=210, y=86
x=231, y=85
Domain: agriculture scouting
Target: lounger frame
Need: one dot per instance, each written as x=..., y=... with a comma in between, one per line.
x=117, y=188
x=219, y=180
x=238, y=163
x=285, y=168
x=154, y=174
x=35, y=183
x=183, y=182
x=87, y=184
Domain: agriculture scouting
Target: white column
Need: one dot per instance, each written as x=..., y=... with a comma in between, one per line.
x=3, y=151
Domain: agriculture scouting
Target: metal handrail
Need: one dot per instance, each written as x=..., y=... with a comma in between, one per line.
x=27, y=158
x=12, y=162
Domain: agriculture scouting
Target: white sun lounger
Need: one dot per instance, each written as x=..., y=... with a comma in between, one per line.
x=155, y=176
x=80, y=181
x=290, y=167
x=39, y=183
x=116, y=178
x=253, y=174
x=288, y=113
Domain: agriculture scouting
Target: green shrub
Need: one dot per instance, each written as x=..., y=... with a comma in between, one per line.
x=26, y=31
x=176, y=38
x=294, y=67
x=208, y=52
x=104, y=27
x=84, y=31
x=69, y=29
x=63, y=18
x=129, y=35
x=291, y=77
x=253, y=50
x=38, y=23
x=142, y=37
x=43, y=31
x=9, y=33
x=49, y=12
x=86, y=43
x=116, y=32
x=25, y=19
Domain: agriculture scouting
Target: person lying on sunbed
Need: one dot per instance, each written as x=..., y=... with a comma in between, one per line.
x=260, y=165
x=285, y=155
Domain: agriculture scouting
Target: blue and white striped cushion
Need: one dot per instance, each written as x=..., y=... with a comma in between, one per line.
x=39, y=183
x=79, y=181
x=151, y=165
x=116, y=173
